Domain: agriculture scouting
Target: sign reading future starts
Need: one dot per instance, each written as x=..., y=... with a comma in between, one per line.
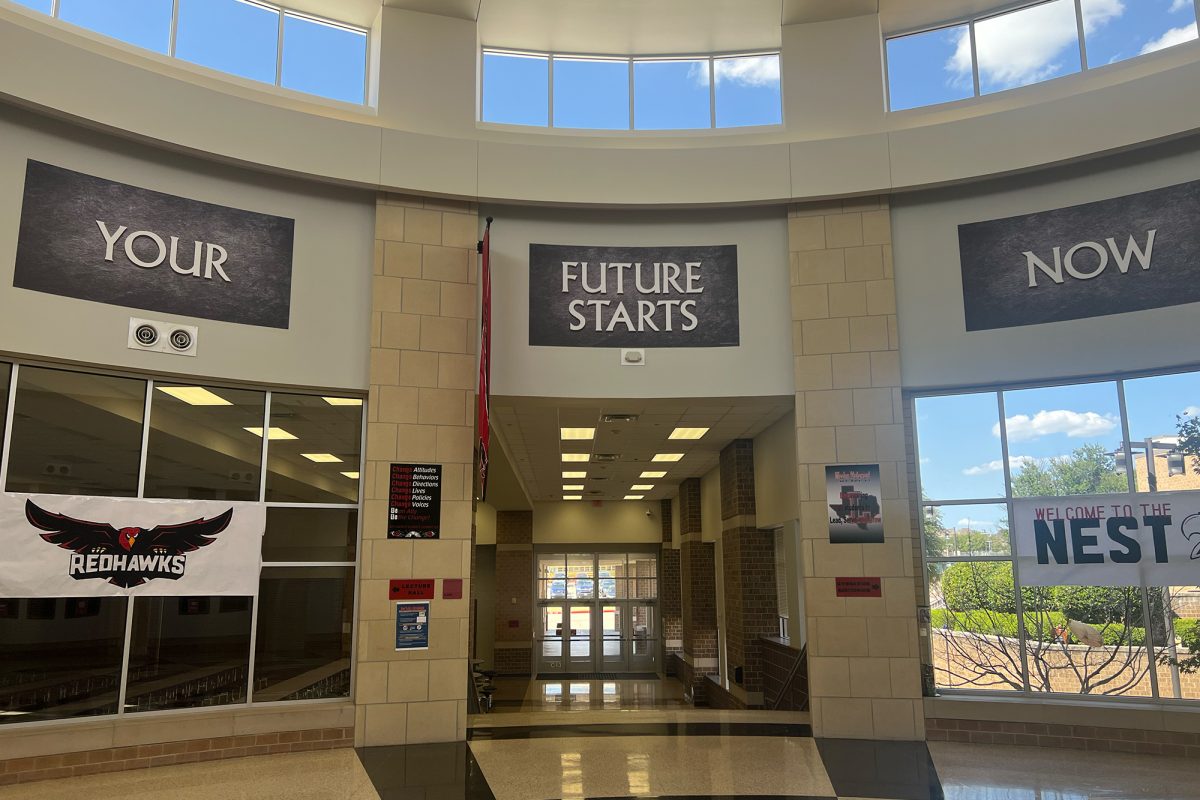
x=633, y=296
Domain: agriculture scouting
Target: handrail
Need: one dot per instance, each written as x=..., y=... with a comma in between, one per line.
x=801, y=658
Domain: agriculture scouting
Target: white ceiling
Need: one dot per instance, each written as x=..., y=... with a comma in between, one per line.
x=530, y=429
x=649, y=26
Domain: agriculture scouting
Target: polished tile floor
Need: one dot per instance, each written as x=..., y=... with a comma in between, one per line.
x=516, y=695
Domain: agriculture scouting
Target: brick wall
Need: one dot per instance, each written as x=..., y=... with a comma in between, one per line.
x=698, y=569
x=664, y=507
x=514, y=580
x=689, y=507
x=117, y=759
x=778, y=659
x=716, y=696
x=751, y=602
x=737, y=479
x=1074, y=737
x=670, y=600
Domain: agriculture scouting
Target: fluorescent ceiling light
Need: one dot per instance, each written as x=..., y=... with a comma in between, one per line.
x=576, y=456
x=575, y=487
x=653, y=474
x=276, y=433
x=572, y=497
x=574, y=474
x=577, y=433
x=351, y=475
x=194, y=395
x=667, y=456
x=343, y=401
x=634, y=496
x=641, y=487
x=688, y=433
x=322, y=458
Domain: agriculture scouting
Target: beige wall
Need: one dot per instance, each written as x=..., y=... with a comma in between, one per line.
x=938, y=352
x=613, y=522
x=423, y=136
x=485, y=524
x=421, y=409
x=326, y=343
x=775, y=473
x=863, y=652
x=759, y=366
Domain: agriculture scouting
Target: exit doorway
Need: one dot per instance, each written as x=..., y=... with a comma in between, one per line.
x=598, y=612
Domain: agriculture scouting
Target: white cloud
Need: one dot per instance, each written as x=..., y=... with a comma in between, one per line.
x=927, y=459
x=754, y=71
x=975, y=524
x=1190, y=411
x=1171, y=38
x=1023, y=428
x=1024, y=47
x=1014, y=464
x=1180, y=5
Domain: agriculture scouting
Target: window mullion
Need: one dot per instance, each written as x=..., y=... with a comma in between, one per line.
x=1022, y=635
x=974, y=59
x=712, y=92
x=8, y=423
x=631, y=108
x=279, y=51
x=124, y=687
x=262, y=464
x=174, y=34
x=141, y=485
x=550, y=90
x=1083, y=62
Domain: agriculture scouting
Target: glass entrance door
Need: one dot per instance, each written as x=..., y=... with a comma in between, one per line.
x=598, y=613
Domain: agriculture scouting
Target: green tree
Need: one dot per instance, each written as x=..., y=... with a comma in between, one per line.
x=1088, y=470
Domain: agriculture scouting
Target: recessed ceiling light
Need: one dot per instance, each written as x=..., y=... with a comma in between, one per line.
x=641, y=487
x=634, y=496
x=653, y=474
x=577, y=433
x=322, y=458
x=574, y=474
x=351, y=475
x=194, y=395
x=275, y=433
x=688, y=433
x=572, y=497
x=343, y=401
x=576, y=456
x=667, y=456
x=574, y=487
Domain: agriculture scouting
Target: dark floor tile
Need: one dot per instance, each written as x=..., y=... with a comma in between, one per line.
x=893, y=770
x=425, y=771
x=642, y=729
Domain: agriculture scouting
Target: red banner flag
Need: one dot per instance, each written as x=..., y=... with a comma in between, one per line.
x=485, y=360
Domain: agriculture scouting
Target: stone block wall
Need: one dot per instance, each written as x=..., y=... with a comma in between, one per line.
x=514, y=592
x=864, y=669
x=424, y=331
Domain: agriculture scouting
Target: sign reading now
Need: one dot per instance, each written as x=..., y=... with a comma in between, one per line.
x=1128, y=253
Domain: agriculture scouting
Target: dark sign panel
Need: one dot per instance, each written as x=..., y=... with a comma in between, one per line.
x=415, y=502
x=1125, y=254
x=633, y=296
x=858, y=587
x=410, y=589
x=109, y=242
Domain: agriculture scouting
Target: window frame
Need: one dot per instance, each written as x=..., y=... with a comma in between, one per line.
x=1149, y=646
x=970, y=21
x=630, y=60
x=15, y=365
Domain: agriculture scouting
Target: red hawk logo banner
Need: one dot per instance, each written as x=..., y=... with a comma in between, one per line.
x=129, y=556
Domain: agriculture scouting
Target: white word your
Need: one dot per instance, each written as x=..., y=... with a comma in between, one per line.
x=214, y=254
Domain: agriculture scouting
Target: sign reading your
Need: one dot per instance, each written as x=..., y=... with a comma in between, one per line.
x=633, y=296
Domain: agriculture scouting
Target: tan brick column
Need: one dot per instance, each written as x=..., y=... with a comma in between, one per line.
x=697, y=569
x=514, y=582
x=862, y=653
x=423, y=372
x=748, y=567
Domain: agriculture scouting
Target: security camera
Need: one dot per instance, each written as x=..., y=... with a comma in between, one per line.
x=649, y=513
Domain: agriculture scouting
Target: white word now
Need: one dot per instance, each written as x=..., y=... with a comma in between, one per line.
x=1096, y=260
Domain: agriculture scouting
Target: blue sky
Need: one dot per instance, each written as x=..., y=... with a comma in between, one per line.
x=1031, y=45
x=959, y=442
x=668, y=94
x=233, y=36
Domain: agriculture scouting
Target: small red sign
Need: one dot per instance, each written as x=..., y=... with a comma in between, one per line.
x=514, y=623
x=858, y=587
x=419, y=589
x=452, y=589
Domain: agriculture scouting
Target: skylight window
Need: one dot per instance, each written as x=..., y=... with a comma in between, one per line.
x=323, y=58
x=143, y=23
x=229, y=35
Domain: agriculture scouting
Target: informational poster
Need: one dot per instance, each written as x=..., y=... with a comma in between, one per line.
x=415, y=502
x=108, y=242
x=54, y=545
x=1123, y=254
x=855, y=514
x=1150, y=539
x=583, y=296
x=412, y=625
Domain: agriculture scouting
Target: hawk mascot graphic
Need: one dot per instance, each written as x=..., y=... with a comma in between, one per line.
x=1190, y=528
x=142, y=553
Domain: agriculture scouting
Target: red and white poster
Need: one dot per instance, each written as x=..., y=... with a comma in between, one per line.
x=54, y=545
x=485, y=360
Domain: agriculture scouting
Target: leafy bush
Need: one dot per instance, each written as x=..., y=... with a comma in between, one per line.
x=1039, y=626
x=972, y=585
